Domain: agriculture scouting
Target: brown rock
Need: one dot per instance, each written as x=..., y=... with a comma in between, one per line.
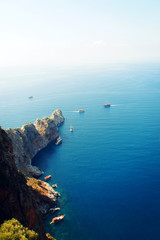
x=15, y=196
x=44, y=195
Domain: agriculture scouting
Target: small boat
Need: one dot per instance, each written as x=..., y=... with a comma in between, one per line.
x=53, y=210
x=71, y=129
x=47, y=177
x=54, y=186
x=30, y=97
x=107, y=105
x=59, y=140
x=81, y=110
x=57, y=219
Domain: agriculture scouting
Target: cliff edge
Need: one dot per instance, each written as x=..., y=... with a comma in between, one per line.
x=15, y=196
x=31, y=138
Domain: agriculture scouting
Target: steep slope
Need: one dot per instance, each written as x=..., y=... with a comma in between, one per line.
x=31, y=138
x=15, y=196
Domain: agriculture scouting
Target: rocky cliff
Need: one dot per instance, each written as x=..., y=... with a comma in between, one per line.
x=15, y=196
x=31, y=138
x=44, y=195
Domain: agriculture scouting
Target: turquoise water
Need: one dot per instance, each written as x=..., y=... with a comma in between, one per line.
x=108, y=169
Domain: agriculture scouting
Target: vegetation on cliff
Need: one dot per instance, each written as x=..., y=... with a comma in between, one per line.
x=14, y=230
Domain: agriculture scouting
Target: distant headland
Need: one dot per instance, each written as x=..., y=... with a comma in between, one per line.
x=31, y=138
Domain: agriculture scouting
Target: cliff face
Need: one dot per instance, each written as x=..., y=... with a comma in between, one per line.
x=26, y=199
x=44, y=195
x=31, y=138
x=15, y=196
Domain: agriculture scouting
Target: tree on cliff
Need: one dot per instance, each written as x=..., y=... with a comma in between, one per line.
x=14, y=230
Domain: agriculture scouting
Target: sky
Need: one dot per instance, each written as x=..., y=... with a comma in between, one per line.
x=70, y=32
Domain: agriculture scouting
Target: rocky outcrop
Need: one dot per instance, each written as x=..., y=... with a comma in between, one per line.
x=44, y=195
x=16, y=199
x=31, y=138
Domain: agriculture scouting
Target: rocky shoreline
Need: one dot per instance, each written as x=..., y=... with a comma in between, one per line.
x=44, y=195
x=28, y=140
x=22, y=196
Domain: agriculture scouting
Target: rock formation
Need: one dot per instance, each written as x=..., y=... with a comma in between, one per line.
x=15, y=196
x=26, y=199
x=31, y=138
x=44, y=195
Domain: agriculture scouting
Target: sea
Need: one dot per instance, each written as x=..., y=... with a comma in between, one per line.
x=108, y=169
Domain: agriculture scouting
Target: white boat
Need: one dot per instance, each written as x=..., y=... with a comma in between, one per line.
x=53, y=210
x=71, y=129
x=107, y=105
x=57, y=219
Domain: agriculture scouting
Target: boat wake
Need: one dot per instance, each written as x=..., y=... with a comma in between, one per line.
x=70, y=111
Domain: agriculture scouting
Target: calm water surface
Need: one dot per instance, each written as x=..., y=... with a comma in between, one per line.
x=108, y=169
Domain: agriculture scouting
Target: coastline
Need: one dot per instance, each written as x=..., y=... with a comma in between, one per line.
x=20, y=145
x=118, y=137
x=31, y=138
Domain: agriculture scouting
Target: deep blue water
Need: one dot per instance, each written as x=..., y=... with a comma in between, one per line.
x=108, y=169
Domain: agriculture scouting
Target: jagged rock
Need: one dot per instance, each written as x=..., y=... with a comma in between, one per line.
x=34, y=171
x=31, y=138
x=57, y=117
x=44, y=195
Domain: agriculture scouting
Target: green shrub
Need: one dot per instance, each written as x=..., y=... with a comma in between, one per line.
x=14, y=230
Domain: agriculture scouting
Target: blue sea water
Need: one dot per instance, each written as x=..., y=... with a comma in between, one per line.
x=108, y=168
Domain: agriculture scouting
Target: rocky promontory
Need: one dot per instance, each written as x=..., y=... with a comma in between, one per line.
x=28, y=140
x=22, y=198
x=16, y=199
x=44, y=195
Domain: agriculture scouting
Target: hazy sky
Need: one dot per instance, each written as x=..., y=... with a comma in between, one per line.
x=64, y=32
